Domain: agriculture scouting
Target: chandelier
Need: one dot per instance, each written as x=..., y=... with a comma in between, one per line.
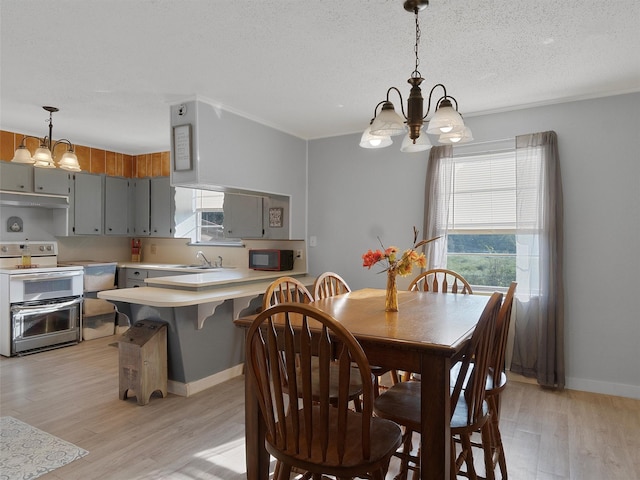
x=446, y=122
x=44, y=155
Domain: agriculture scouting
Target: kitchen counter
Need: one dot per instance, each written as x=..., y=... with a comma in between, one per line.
x=204, y=346
x=199, y=288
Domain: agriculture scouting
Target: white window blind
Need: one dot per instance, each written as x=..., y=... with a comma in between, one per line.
x=484, y=193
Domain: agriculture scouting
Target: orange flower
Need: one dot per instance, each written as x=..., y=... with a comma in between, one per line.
x=370, y=258
x=402, y=265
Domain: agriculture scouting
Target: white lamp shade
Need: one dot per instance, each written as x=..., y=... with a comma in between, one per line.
x=445, y=120
x=456, y=137
x=69, y=161
x=43, y=158
x=388, y=123
x=374, y=141
x=22, y=155
x=422, y=143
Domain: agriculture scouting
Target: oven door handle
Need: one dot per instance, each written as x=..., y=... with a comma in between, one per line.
x=45, y=275
x=45, y=307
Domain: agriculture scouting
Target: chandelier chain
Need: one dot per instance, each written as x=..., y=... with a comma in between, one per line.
x=416, y=73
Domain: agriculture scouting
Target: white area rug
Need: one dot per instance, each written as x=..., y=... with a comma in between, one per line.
x=27, y=452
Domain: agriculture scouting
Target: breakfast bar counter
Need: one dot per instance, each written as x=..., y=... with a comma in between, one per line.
x=204, y=346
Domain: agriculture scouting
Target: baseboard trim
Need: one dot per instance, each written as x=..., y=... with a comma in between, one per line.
x=191, y=388
x=586, y=385
x=607, y=388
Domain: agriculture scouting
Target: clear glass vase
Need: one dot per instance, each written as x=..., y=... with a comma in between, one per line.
x=391, y=300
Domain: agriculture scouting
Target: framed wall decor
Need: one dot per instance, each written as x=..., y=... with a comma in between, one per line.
x=275, y=217
x=182, y=148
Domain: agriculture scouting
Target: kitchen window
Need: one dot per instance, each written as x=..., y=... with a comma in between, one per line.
x=210, y=217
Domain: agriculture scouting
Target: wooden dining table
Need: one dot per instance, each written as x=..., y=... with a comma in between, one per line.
x=425, y=336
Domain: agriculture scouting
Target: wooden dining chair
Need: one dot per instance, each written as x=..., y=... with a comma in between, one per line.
x=440, y=280
x=329, y=284
x=289, y=289
x=469, y=409
x=436, y=280
x=286, y=289
x=311, y=434
x=496, y=383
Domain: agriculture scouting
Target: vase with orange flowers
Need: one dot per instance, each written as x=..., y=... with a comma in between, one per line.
x=396, y=264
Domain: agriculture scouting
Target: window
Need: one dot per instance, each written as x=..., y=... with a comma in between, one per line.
x=209, y=216
x=481, y=241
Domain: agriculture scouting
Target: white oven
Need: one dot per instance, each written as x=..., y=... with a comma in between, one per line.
x=41, y=306
x=32, y=286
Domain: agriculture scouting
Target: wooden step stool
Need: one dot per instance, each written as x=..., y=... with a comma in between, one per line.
x=143, y=360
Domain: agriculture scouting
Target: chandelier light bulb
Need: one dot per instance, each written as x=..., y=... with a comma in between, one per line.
x=374, y=141
x=459, y=136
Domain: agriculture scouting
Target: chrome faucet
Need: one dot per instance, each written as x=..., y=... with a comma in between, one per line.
x=219, y=262
x=205, y=261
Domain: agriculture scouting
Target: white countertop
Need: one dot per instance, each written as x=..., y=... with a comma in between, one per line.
x=218, y=286
x=212, y=278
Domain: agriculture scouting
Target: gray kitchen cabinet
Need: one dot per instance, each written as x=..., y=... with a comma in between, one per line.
x=88, y=196
x=243, y=216
x=16, y=177
x=155, y=207
x=118, y=211
x=135, y=277
x=51, y=180
x=162, y=208
x=142, y=206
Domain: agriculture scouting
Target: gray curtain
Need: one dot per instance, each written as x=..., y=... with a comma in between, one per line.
x=538, y=350
x=438, y=188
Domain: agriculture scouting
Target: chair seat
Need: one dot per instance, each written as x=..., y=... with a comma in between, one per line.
x=401, y=404
x=495, y=384
x=386, y=438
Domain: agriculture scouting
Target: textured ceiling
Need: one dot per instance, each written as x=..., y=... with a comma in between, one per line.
x=310, y=68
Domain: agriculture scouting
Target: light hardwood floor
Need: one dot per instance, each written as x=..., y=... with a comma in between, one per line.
x=73, y=393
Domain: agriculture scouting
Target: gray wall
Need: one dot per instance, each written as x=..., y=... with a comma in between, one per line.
x=356, y=194
x=239, y=154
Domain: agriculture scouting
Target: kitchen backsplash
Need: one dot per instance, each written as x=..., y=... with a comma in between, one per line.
x=95, y=160
x=168, y=250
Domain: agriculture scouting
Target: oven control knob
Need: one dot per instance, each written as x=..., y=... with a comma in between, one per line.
x=4, y=249
x=42, y=248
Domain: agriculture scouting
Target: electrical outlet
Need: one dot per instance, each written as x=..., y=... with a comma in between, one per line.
x=153, y=248
x=298, y=253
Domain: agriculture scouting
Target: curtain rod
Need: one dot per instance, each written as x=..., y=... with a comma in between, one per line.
x=485, y=147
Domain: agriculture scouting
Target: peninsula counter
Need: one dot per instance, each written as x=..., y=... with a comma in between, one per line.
x=204, y=346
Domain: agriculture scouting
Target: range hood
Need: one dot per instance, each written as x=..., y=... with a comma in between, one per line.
x=19, y=199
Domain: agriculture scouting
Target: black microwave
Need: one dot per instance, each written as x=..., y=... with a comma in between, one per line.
x=271, y=259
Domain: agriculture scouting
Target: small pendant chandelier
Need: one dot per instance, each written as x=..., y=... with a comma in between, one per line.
x=44, y=155
x=446, y=122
